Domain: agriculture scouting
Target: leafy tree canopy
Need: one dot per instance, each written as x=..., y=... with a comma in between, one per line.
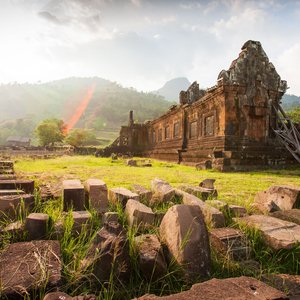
x=295, y=115
x=81, y=137
x=50, y=131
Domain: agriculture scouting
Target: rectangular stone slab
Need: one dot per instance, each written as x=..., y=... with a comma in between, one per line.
x=97, y=193
x=8, y=177
x=11, y=192
x=278, y=234
x=26, y=185
x=29, y=265
x=73, y=195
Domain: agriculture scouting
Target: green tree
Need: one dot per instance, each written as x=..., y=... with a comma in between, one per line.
x=295, y=115
x=81, y=137
x=50, y=131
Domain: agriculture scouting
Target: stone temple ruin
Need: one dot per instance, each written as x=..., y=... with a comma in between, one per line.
x=230, y=126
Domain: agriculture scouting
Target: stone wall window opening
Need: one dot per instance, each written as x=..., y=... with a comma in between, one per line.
x=153, y=137
x=209, y=123
x=193, y=129
x=167, y=132
x=159, y=134
x=176, y=130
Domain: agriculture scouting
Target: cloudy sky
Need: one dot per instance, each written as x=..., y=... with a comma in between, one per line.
x=143, y=43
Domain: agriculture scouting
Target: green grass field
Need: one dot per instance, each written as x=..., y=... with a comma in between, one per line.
x=234, y=188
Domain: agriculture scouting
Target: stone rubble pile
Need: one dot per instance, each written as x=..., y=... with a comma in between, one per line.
x=191, y=226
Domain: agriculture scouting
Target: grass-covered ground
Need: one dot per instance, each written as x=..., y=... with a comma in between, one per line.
x=235, y=188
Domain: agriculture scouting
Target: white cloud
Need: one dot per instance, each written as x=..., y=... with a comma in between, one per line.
x=288, y=65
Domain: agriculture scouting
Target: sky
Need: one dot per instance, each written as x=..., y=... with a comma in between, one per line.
x=144, y=43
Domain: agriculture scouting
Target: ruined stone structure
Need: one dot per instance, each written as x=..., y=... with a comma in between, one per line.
x=228, y=126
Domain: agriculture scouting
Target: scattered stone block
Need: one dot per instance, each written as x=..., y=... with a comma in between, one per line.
x=82, y=220
x=12, y=205
x=29, y=265
x=151, y=258
x=36, y=225
x=73, y=195
x=162, y=190
x=291, y=215
x=97, y=191
x=200, y=192
x=277, y=198
x=110, y=217
x=221, y=205
x=230, y=242
x=139, y=214
x=26, y=185
x=278, y=234
x=184, y=232
x=144, y=194
x=208, y=183
x=287, y=283
x=109, y=254
x=240, y=288
x=121, y=196
x=212, y=215
x=237, y=211
x=131, y=162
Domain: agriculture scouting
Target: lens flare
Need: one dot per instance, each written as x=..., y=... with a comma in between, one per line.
x=80, y=109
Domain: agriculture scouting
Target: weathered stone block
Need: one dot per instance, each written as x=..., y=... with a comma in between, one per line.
x=291, y=215
x=162, y=190
x=277, y=198
x=26, y=185
x=82, y=220
x=278, y=234
x=200, y=192
x=184, y=232
x=8, y=177
x=6, y=164
x=28, y=266
x=109, y=253
x=240, y=288
x=110, y=216
x=151, y=258
x=231, y=242
x=11, y=205
x=144, y=194
x=36, y=225
x=221, y=205
x=14, y=229
x=237, y=211
x=139, y=214
x=131, y=162
x=73, y=195
x=121, y=196
x=212, y=215
x=97, y=192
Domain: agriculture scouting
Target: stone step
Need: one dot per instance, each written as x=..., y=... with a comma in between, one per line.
x=11, y=192
x=26, y=185
x=8, y=177
x=6, y=163
x=278, y=234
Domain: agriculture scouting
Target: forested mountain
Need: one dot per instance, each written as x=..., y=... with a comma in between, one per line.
x=24, y=105
x=290, y=101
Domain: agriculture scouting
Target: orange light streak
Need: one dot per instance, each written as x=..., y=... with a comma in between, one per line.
x=80, y=109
